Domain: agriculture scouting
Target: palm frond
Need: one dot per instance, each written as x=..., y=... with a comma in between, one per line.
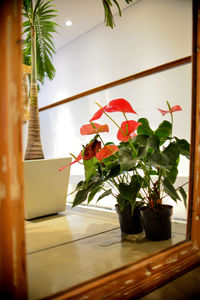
x=41, y=18
x=107, y=4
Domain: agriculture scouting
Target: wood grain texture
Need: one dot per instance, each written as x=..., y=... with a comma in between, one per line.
x=134, y=280
x=12, y=248
x=128, y=282
x=151, y=71
x=195, y=211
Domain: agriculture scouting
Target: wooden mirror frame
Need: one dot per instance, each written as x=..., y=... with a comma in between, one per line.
x=132, y=280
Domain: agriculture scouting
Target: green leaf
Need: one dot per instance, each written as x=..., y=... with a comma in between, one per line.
x=163, y=140
x=154, y=142
x=158, y=159
x=140, y=140
x=130, y=191
x=93, y=193
x=140, y=143
x=164, y=129
x=90, y=168
x=184, y=195
x=82, y=194
x=184, y=146
x=111, y=164
x=113, y=172
x=80, y=185
x=110, y=158
x=126, y=191
x=172, y=152
x=126, y=159
x=106, y=193
x=142, y=152
x=80, y=197
x=172, y=174
x=169, y=189
x=121, y=201
x=144, y=129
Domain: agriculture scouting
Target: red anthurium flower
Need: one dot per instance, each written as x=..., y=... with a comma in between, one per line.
x=128, y=128
x=113, y=106
x=173, y=109
x=98, y=114
x=107, y=151
x=79, y=157
x=89, y=129
x=91, y=149
x=119, y=105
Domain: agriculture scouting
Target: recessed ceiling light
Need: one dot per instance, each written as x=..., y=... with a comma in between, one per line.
x=68, y=23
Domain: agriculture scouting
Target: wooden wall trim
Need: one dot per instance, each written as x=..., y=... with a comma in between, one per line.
x=12, y=237
x=169, y=65
x=125, y=283
x=195, y=212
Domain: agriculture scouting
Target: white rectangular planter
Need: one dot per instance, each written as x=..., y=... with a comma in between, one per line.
x=45, y=187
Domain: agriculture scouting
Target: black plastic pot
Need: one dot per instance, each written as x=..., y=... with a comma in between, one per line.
x=129, y=223
x=157, y=222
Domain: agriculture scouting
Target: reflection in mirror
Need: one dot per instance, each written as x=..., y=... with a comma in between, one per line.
x=84, y=242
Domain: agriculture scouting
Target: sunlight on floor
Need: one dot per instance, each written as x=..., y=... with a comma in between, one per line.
x=74, y=246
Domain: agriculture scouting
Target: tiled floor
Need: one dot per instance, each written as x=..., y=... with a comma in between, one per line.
x=66, y=249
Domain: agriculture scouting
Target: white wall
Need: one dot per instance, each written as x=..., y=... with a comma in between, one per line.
x=149, y=33
x=61, y=125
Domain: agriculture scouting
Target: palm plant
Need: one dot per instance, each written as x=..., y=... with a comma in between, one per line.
x=38, y=51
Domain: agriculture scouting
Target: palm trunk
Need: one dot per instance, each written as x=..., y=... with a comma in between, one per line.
x=34, y=146
x=25, y=99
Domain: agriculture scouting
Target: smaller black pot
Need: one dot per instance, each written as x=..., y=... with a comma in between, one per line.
x=129, y=223
x=157, y=222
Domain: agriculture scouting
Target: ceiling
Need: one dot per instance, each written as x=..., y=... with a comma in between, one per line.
x=84, y=14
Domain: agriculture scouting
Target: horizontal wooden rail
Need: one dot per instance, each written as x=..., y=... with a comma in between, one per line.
x=157, y=69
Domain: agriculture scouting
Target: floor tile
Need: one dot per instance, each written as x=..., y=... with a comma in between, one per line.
x=62, y=228
x=68, y=249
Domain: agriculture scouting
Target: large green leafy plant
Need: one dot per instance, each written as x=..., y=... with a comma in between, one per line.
x=38, y=51
x=144, y=166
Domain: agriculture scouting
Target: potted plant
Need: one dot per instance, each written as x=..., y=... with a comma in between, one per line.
x=44, y=192
x=39, y=24
x=140, y=171
x=158, y=154
x=106, y=172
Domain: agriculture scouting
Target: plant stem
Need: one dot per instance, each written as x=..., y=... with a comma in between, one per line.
x=101, y=139
x=133, y=148
x=171, y=114
x=125, y=116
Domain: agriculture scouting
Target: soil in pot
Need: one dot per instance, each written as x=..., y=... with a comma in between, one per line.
x=129, y=223
x=157, y=222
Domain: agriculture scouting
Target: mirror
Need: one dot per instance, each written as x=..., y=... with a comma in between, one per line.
x=146, y=94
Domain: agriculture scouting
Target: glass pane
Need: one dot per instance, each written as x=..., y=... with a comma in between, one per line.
x=80, y=243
